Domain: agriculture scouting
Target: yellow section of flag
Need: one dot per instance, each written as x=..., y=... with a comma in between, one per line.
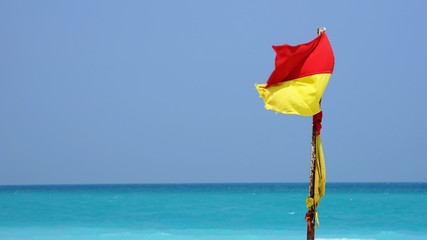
x=299, y=96
x=320, y=176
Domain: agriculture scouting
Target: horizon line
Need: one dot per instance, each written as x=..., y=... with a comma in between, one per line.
x=206, y=183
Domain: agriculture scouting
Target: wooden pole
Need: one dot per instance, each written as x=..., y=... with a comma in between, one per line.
x=310, y=216
x=311, y=212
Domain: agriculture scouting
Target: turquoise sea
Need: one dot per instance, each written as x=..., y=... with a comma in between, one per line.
x=211, y=211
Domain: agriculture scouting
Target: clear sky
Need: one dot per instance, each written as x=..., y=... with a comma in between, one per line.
x=162, y=91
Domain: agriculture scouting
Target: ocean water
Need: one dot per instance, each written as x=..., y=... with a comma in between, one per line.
x=211, y=212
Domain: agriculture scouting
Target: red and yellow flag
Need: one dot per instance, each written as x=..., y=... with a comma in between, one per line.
x=300, y=77
x=296, y=86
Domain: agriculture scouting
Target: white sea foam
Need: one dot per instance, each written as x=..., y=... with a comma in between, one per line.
x=345, y=238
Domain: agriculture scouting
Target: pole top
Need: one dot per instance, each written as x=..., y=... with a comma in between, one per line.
x=321, y=30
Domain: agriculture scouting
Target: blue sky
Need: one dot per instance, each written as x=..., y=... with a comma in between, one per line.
x=163, y=91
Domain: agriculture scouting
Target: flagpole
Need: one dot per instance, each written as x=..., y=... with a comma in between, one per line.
x=310, y=216
x=311, y=213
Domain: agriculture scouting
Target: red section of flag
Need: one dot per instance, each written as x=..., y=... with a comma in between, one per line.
x=302, y=60
x=317, y=122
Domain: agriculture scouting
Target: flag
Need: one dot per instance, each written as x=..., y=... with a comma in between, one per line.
x=296, y=86
x=300, y=77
